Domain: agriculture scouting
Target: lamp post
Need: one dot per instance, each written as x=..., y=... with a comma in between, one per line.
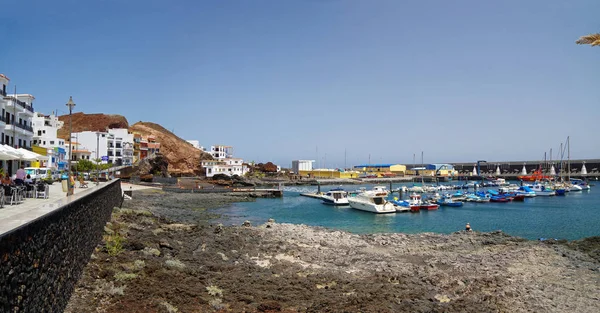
x=71, y=105
x=97, y=160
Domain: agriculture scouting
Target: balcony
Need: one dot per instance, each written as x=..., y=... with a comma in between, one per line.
x=19, y=103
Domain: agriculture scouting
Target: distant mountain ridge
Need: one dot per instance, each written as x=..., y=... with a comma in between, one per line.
x=183, y=158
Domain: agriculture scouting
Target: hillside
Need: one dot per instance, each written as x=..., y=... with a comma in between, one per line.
x=182, y=157
x=91, y=122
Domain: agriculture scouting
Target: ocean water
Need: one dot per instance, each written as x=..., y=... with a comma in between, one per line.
x=574, y=216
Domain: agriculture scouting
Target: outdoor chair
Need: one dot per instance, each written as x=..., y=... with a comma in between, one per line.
x=11, y=194
x=82, y=183
x=41, y=190
x=29, y=190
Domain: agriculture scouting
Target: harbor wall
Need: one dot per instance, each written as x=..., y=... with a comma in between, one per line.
x=43, y=259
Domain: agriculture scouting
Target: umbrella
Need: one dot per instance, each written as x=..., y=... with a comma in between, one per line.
x=498, y=170
x=524, y=171
x=8, y=153
x=583, y=170
x=474, y=171
x=30, y=156
x=552, y=171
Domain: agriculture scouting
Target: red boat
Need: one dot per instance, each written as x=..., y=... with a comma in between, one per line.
x=416, y=204
x=536, y=175
x=518, y=198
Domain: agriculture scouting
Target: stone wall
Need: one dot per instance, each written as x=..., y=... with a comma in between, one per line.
x=42, y=260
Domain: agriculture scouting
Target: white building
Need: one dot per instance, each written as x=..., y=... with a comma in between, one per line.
x=196, y=144
x=15, y=121
x=45, y=130
x=221, y=152
x=224, y=162
x=114, y=146
x=302, y=165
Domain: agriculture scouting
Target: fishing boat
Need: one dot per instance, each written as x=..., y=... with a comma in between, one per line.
x=500, y=198
x=525, y=191
x=543, y=189
x=476, y=198
x=337, y=196
x=448, y=201
x=416, y=204
x=372, y=201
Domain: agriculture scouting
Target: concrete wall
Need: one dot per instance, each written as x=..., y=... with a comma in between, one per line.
x=41, y=261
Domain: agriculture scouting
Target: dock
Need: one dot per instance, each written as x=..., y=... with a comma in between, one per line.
x=314, y=195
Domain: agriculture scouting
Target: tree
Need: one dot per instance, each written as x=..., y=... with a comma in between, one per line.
x=593, y=40
x=84, y=165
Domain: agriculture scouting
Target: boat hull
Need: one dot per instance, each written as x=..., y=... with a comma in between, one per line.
x=373, y=208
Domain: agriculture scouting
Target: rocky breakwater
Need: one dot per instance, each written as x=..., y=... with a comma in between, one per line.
x=189, y=265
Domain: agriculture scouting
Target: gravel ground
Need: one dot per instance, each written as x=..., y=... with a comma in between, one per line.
x=173, y=260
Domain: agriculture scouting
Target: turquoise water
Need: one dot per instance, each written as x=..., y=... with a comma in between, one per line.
x=574, y=216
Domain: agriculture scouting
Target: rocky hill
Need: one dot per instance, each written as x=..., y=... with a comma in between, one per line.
x=182, y=157
x=91, y=122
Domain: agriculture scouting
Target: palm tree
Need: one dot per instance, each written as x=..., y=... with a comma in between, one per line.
x=593, y=39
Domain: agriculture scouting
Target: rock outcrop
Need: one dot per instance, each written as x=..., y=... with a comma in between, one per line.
x=182, y=157
x=91, y=122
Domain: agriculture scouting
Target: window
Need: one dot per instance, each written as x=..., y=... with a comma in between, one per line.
x=39, y=132
x=19, y=142
x=51, y=142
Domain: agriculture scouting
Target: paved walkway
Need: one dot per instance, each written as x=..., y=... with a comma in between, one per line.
x=12, y=216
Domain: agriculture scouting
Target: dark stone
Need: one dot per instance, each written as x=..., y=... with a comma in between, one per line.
x=165, y=244
x=134, y=245
x=43, y=259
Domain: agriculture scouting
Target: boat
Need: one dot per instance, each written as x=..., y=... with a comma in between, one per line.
x=380, y=189
x=371, y=201
x=535, y=176
x=337, y=196
x=447, y=201
x=500, y=198
x=416, y=204
x=401, y=205
x=525, y=191
x=476, y=198
x=542, y=189
x=581, y=183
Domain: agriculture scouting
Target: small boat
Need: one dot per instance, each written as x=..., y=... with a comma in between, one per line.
x=525, y=191
x=372, y=201
x=337, y=196
x=448, y=201
x=500, y=198
x=416, y=204
x=543, y=190
x=581, y=183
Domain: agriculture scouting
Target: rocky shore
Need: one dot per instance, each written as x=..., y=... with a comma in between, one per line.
x=161, y=253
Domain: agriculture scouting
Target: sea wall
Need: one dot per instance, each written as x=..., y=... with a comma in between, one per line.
x=42, y=260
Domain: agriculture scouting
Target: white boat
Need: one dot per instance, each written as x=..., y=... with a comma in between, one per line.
x=380, y=189
x=336, y=196
x=543, y=189
x=372, y=201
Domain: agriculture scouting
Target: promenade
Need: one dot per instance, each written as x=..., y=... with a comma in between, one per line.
x=13, y=216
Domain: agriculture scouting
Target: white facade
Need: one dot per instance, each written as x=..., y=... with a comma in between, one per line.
x=221, y=152
x=114, y=146
x=229, y=167
x=45, y=130
x=196, y=144
x=15, y=120
x=224, y=162
x=302, y=165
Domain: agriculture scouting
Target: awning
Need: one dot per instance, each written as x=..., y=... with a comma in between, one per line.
x=30, y=155
x=9, y=153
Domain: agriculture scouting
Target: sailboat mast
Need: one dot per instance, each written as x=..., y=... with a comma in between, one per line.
x=569, y=158
x=422, y=165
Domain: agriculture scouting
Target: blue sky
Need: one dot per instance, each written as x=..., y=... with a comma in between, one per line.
x=459, y=80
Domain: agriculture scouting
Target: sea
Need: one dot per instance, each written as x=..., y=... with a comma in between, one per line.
x=571, y=217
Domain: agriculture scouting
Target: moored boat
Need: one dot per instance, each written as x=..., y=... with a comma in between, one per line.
x=372, y=201
x=448, y=201
x=336, y=196
x=542, y=189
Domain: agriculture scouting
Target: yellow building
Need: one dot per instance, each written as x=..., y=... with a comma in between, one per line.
x=328, y=173
x=382, y=170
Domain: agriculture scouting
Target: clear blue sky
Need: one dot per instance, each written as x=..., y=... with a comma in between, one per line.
x=460, y=80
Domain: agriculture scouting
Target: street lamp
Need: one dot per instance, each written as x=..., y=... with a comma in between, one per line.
x=71, y=105
x=97, y=160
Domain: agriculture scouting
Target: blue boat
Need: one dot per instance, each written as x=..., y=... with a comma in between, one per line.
x=447, y=201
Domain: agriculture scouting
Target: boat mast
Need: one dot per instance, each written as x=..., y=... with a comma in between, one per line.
x=569, y=158
x=422, y=165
